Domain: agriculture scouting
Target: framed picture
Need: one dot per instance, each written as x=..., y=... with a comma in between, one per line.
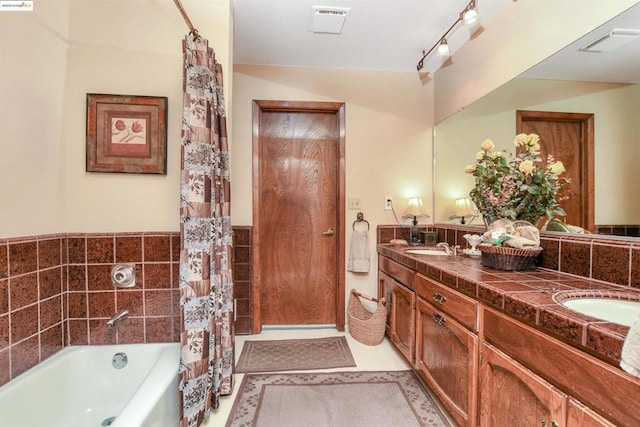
x=126, y=133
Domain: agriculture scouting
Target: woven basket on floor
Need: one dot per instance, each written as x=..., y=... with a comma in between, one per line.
x=511, y=259
x=366, y=327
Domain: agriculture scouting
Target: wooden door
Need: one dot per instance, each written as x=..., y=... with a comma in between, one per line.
x=569, y=137
x=299, y=213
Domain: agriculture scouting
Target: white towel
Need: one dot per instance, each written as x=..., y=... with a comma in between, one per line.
x=630, y=358
x=359, y=252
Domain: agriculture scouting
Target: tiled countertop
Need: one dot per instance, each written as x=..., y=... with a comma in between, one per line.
x=527, y=296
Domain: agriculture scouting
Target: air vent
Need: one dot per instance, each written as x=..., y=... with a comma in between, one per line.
x=612, y=40
x=329, y=19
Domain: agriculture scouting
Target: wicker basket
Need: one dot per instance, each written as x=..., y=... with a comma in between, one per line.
x=511, y=259
x=366, y=327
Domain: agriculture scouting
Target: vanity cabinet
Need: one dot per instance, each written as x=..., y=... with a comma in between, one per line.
x=489, y=369
x=401, y=303
x=582, y=377
x=511, y=395
x=447, y=347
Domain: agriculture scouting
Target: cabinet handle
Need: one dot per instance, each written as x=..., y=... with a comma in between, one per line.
x=439, y=298
x=439, y=319
x=554, y=424
x=235, y=309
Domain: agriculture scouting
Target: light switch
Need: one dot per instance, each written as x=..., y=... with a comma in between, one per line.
x=354, y=203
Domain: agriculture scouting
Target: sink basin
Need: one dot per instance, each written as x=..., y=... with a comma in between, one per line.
x=618, y=311
x=426, y=252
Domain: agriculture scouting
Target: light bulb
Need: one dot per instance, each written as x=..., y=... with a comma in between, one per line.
x=443, y=48
x=470, y=17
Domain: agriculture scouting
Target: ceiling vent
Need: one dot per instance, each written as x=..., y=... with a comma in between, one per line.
x=612, y=40
x=329, y=20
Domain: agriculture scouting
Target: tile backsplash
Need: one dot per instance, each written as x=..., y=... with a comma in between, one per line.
x=55, y=290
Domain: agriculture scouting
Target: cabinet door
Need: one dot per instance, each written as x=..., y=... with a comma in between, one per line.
x=403, y=318
x=447, y=358
x=578, y=415
x=401, y=314
x=511, y=395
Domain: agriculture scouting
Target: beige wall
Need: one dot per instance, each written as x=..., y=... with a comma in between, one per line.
x=388, y=139
x=616, y=138
x=517, y=37
x=92, y=46
x=33, y=66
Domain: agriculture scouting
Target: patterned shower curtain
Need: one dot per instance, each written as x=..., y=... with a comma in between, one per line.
x=206, y=287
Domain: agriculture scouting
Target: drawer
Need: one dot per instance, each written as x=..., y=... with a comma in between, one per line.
x=456, y=305
x=398, y=271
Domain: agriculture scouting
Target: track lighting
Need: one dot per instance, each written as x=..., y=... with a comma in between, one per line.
x=469, y=16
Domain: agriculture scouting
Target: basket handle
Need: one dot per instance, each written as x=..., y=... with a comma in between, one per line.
x=358, y=294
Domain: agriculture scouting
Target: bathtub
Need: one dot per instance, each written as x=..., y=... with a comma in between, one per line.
x=79, y=386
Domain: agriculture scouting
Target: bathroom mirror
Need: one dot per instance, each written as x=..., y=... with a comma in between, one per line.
x=607, y=85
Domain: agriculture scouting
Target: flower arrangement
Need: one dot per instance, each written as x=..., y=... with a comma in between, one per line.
x=517, y=187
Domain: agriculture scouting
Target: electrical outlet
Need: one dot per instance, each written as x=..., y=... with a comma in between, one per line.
x=388, y=203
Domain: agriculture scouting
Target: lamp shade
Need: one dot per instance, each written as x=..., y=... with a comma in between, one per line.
x=415, y=207
x=463, y=207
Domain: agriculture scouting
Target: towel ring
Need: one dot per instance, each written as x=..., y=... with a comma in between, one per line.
x=360, y=218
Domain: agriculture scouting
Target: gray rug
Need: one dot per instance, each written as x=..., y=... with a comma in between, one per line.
x=295, y=355
x=349, y=399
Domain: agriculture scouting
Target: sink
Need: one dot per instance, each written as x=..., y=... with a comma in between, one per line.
x=426, y=252
x=619, y=311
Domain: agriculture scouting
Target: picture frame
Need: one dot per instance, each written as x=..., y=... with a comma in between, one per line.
x=126, y=134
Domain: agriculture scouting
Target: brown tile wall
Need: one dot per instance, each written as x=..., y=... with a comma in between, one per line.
x=590, y=256
x=55, y=290
x=242, y=259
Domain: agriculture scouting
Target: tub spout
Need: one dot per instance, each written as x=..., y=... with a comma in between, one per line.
x=121, y=315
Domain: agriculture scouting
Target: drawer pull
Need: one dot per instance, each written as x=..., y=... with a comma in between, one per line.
x=439, y=319
x=439, y=298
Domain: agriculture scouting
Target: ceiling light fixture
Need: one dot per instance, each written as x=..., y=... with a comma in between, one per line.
x=469, y=16
x=443, y=48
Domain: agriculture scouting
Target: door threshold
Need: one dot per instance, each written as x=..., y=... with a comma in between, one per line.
x=283, y=327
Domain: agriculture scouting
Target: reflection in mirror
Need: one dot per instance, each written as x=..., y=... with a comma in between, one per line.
x=554, y=85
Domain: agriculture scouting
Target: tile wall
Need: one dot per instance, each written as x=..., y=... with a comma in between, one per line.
x=55, y=290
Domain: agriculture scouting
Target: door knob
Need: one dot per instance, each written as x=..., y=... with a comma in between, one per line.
x=329, y=232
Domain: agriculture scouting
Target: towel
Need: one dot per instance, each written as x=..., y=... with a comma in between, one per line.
x=630, y=357
x=359, y=252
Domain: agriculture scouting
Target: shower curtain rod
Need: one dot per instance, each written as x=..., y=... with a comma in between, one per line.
x=193, y=31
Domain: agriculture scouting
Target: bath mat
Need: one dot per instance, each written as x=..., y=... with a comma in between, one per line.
x=293, y=355
x=335, y=399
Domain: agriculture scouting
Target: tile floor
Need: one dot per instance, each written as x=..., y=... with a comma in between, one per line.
x=383, y=357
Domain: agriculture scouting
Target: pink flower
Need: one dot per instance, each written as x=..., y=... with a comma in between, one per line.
x=136, y=127
x=120, y=125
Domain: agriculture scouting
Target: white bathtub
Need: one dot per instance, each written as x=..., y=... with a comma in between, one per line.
x=79, y=387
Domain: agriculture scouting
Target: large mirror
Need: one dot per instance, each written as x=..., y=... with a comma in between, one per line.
x=605, y=83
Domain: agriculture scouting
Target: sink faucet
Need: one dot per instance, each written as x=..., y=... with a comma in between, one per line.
x=121, y=315
x=448, y=249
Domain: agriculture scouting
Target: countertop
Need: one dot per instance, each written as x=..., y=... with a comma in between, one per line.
x=528, y=296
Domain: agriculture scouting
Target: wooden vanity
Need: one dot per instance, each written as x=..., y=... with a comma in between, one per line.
x=497, y=350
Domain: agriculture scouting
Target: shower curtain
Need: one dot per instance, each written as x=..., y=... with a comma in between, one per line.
x=206, y=287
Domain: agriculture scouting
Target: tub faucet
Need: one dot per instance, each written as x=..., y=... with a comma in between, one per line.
x=121, y=315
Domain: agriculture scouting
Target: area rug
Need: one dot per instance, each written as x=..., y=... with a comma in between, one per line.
x=349, y=399
x=295, y=355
